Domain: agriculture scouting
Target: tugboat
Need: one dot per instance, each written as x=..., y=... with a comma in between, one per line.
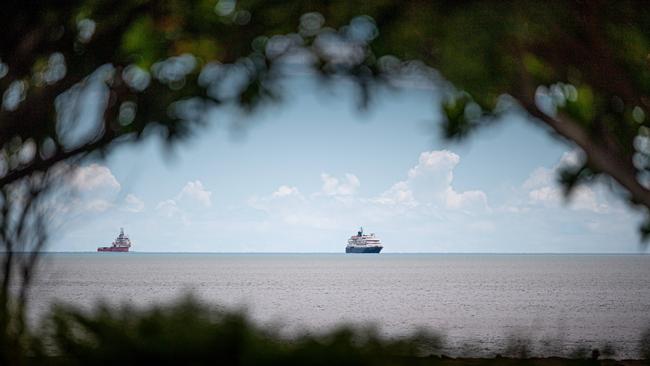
x=361, y=243
x=121, y=244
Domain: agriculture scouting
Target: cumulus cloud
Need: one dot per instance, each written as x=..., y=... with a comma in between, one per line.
x=192, y=196
x=442, y=161
x=455, y=200
x=94, y=188
x=97, y=205
x=426, y=192
x=284, y=200
x=133, y=204
x=399, y=194
x=280, y=200
x=582, y=198
x=333, y=186
x=543, y=176
x=540, y=177
x=285, y=191
x=543, y=188
x=194, y=191
x=93, y=176
x=430, y=183
x=167, y=208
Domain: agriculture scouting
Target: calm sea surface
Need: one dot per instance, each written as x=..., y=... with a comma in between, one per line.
x=564, y=301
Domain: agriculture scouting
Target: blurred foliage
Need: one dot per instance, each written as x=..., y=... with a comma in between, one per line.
x=580, y=68
x=78, y=78
x=191, y=333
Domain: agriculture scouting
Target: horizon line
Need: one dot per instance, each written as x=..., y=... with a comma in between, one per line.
x=297, y=252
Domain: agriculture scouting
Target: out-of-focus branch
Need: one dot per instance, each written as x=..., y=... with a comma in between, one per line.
x=599, y=155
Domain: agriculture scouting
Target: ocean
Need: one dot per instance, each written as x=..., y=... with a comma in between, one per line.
x=477, y=302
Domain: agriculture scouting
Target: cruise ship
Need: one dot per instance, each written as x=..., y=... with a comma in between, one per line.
x=361, y=243
x=121, y=244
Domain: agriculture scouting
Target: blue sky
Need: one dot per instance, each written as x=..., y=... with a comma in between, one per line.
x=303, y=174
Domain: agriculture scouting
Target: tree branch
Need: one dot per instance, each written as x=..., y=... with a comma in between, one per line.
x=599, y=155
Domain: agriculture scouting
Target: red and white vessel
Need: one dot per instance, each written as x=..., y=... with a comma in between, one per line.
x=121, y=244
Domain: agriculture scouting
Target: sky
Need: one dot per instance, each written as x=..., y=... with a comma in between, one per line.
x=304, y=174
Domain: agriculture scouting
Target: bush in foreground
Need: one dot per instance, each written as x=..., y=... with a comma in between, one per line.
x=190, y=333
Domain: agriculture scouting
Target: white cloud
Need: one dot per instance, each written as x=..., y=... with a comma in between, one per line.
x=467, y=199
x=425, y=194
x=543, y=188
x=332, y=186
x=97, y=205
x=581, y=198
x=585, y=198
x=430, y=183
x=192, y=196
x=133, y=203
x=540, y=177
x=547, y=194
x=94, y=188
x=168, y=208
x=573, y=158
x=284, y=194
x=443, y=161
x=194, y=191
x=93, y=176
x=543, y=176
x=399, y=194
x=284, y=191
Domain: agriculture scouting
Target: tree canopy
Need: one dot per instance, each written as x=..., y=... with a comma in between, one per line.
x=580, y=68
x=78, y=78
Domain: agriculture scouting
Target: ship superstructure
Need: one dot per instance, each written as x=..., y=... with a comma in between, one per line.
x=362, y=243
x=121, y=244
